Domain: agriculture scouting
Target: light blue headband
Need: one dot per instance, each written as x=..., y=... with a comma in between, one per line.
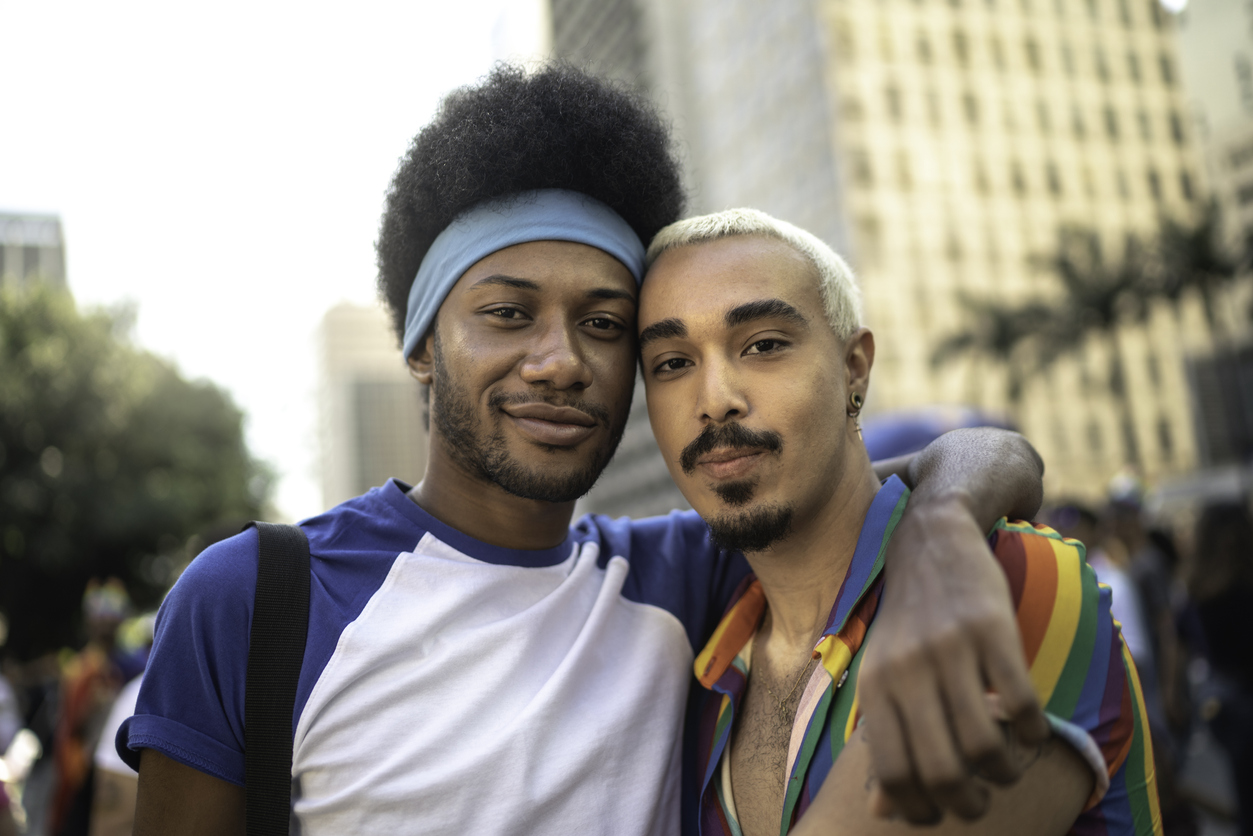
x=543, y=215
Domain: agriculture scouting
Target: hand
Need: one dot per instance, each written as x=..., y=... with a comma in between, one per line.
x=945, y=634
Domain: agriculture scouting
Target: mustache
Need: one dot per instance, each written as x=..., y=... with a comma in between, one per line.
x=595, y=410
x=729, y=435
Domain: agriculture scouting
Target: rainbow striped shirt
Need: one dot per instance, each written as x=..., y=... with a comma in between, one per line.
x=1080, y=668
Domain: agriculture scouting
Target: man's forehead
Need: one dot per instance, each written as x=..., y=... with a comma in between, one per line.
x=733, y=279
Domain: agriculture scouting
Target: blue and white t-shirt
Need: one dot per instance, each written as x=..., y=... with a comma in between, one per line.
x=449, y=685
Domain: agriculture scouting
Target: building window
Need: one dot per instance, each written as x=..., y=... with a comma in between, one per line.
x=1092, y=9
x=961, y=47
x=1185, y=186
x=971, y=106
x=1244, y=194
x=851, y=109
x=1154, y=368
x=844, y=46
x=1102, y=68
x=1124, y=187
x=1146, y=131
x=998, y=53
x=1165, y=441
x=1017, y=179
x=1076, y=123
x=1155, y=184
x=953, y=248
x=30, y=261
x=1111, y=124
x=1033, y=54
x=1168, y=70
x=1159, y=17
x=893, y=96
x=1133, y=67
x=1059, y=8
x=1054, y=178
x=1068, y=60
x=1042, y=116
x=863, y=175
x=924, y=49
x=1124, y=13
x=1176, y=128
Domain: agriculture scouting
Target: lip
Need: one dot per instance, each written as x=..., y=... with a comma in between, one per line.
x=554, y=426
x=730, y=462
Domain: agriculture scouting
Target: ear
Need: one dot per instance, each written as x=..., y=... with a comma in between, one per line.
x=858, y=358
x=422, y=361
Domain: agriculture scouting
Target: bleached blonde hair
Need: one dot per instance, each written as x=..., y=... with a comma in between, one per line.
x=841, y=297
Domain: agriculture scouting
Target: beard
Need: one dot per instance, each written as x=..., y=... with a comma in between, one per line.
x=484, y=452
x=751, y=531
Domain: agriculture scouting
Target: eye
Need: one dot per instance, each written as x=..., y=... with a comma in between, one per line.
x=603, y=323
x=673, y=364
x=767, y=346
x=508, y=314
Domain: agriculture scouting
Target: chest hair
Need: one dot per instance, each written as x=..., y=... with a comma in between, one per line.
x=759, y=748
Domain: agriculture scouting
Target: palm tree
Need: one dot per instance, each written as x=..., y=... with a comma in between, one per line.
x=1194, y=257
x=996, y=333
x=1099, y=297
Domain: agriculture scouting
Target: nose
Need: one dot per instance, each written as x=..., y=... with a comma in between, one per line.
x=720, y=398
x=557, y=359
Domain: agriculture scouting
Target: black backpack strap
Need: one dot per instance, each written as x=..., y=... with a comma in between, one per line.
x=276, y=650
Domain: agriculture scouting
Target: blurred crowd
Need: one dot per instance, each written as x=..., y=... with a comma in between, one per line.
x=60, y=775
x=1182, y=590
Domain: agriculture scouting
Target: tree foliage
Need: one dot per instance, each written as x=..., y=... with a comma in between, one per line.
x=111, y=463
x=1098, y=294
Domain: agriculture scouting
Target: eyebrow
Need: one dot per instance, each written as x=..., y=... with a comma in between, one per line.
x=665, y=329
x=507, y=281
x=764, y=309
x=527, y=284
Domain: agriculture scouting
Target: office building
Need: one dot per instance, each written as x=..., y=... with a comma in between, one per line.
x=31, y=249
x=370, y=412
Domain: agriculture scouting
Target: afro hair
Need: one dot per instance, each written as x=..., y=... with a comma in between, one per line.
x=558, y=128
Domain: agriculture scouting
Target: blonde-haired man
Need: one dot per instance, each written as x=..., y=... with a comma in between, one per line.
x=756, y=366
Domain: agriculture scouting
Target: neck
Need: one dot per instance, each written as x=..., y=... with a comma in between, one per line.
x=485, y=511
x=802, y=574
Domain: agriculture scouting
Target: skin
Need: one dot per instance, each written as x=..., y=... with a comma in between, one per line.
x=725, y=340
x=549, y=324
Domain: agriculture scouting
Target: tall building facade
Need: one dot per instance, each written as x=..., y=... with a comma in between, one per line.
x=370, y=412
x=32, y=248
x=941, y=145
x=1216, y=54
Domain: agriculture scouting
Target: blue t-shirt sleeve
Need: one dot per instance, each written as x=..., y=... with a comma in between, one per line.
x=191, y=703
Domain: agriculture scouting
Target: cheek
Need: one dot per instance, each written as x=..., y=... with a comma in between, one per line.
x=664, y=417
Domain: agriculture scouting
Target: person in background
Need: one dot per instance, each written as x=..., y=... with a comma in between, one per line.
x=1221, y=589
x=90, y=682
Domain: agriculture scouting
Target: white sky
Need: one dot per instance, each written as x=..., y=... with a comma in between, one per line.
x=223, y=166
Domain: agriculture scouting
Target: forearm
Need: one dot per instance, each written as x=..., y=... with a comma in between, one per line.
x=992, y=473
x=1048, y=799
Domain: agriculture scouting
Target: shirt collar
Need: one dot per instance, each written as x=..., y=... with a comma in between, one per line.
x=747, y=607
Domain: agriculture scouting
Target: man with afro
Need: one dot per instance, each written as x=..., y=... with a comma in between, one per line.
x=474, y=663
